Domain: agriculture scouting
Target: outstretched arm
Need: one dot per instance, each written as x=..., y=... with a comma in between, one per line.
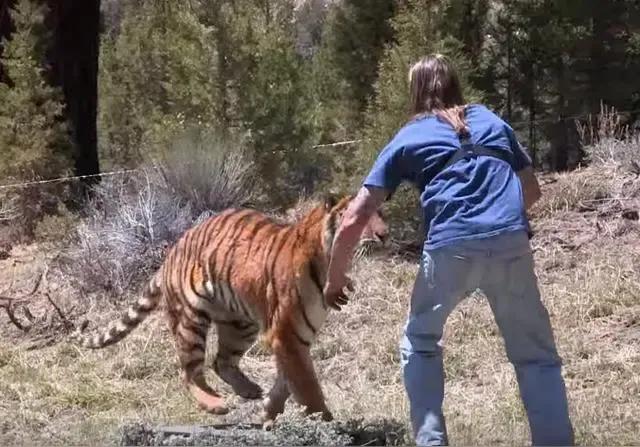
x=523, y=166
x=354, y=220
x=530, y=186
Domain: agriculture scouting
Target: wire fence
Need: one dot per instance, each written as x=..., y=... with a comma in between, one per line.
x=68, y=178
x=513, y=124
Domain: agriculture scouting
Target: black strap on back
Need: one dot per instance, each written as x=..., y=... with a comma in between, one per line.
x=468, y=149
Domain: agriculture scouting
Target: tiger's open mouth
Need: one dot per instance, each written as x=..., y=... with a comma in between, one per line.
x=376, y=239
x=371, y=242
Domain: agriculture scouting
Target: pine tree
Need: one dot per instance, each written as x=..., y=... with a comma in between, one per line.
x=34, y=143
x=546, y=62
x=467, y=21
x=73, y=55
x=346, y=65
x=32, y=134
x=157, y=79
x=273, y=100
x=420, y=30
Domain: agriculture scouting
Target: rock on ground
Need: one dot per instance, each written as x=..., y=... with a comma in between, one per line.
x=298, y=432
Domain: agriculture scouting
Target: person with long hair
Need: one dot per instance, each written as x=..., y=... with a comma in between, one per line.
x=476, y=183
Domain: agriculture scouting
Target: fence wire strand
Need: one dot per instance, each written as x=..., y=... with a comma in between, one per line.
x=318, y=146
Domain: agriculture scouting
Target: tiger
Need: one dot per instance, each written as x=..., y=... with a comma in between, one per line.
x=250, y=275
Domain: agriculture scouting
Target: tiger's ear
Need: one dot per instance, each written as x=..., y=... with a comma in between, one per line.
x=330, y=200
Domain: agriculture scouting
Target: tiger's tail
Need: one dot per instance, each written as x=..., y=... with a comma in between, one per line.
x=122, y=327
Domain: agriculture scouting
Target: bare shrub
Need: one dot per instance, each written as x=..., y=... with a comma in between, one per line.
x=8, y=209
x=607, y=141
x=608, y=186
x=129, y=223
x=208, y=171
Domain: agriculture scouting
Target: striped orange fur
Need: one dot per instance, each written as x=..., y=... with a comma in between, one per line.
x=248, y=275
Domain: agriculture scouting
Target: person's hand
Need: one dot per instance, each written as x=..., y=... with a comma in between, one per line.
x=334, y=293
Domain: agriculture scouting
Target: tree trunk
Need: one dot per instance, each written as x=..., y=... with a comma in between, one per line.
x=529, y=96
x=216, y=18
x=509, y=76
x=74, y=62
x=560, y=146
x=6, y=28
x=473, y=16
x=599, y=60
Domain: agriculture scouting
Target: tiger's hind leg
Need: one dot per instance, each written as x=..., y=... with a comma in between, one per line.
x=234, y=340
x=191, y=340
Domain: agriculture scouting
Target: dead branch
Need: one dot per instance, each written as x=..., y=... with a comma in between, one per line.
x=9, y=303
x=65, y=320
x=608, y=199
x=40, y=280
x=28, y=314
x=9, y=311
x=41, y=343
x=548, y=181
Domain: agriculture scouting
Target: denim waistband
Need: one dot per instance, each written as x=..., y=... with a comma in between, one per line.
x=505, y=245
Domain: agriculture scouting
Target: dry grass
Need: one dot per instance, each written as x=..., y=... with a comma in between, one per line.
x=65, y=395
x=588, y=263
x=606, y=189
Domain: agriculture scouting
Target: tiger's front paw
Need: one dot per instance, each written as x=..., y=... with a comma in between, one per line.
x=267, y=419
x=270, y=410
x=325, y=414
x=267, y=425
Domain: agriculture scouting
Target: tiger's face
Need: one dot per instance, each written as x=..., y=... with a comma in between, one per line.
x=375, y=233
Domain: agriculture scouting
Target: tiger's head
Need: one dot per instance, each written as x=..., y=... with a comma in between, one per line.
x=375, y=233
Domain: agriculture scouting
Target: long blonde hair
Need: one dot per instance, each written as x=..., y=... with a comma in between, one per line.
x=434, y=88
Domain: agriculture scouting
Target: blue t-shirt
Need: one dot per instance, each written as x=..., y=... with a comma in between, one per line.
x=474, y=198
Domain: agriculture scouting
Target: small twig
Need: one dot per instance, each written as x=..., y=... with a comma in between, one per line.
x=39, y=281
x=608, y=199
x=28, y=314
x=42, y=342
x=548, y=181
x=65, y=320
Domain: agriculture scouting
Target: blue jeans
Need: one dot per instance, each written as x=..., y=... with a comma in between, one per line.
x=502, y=267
